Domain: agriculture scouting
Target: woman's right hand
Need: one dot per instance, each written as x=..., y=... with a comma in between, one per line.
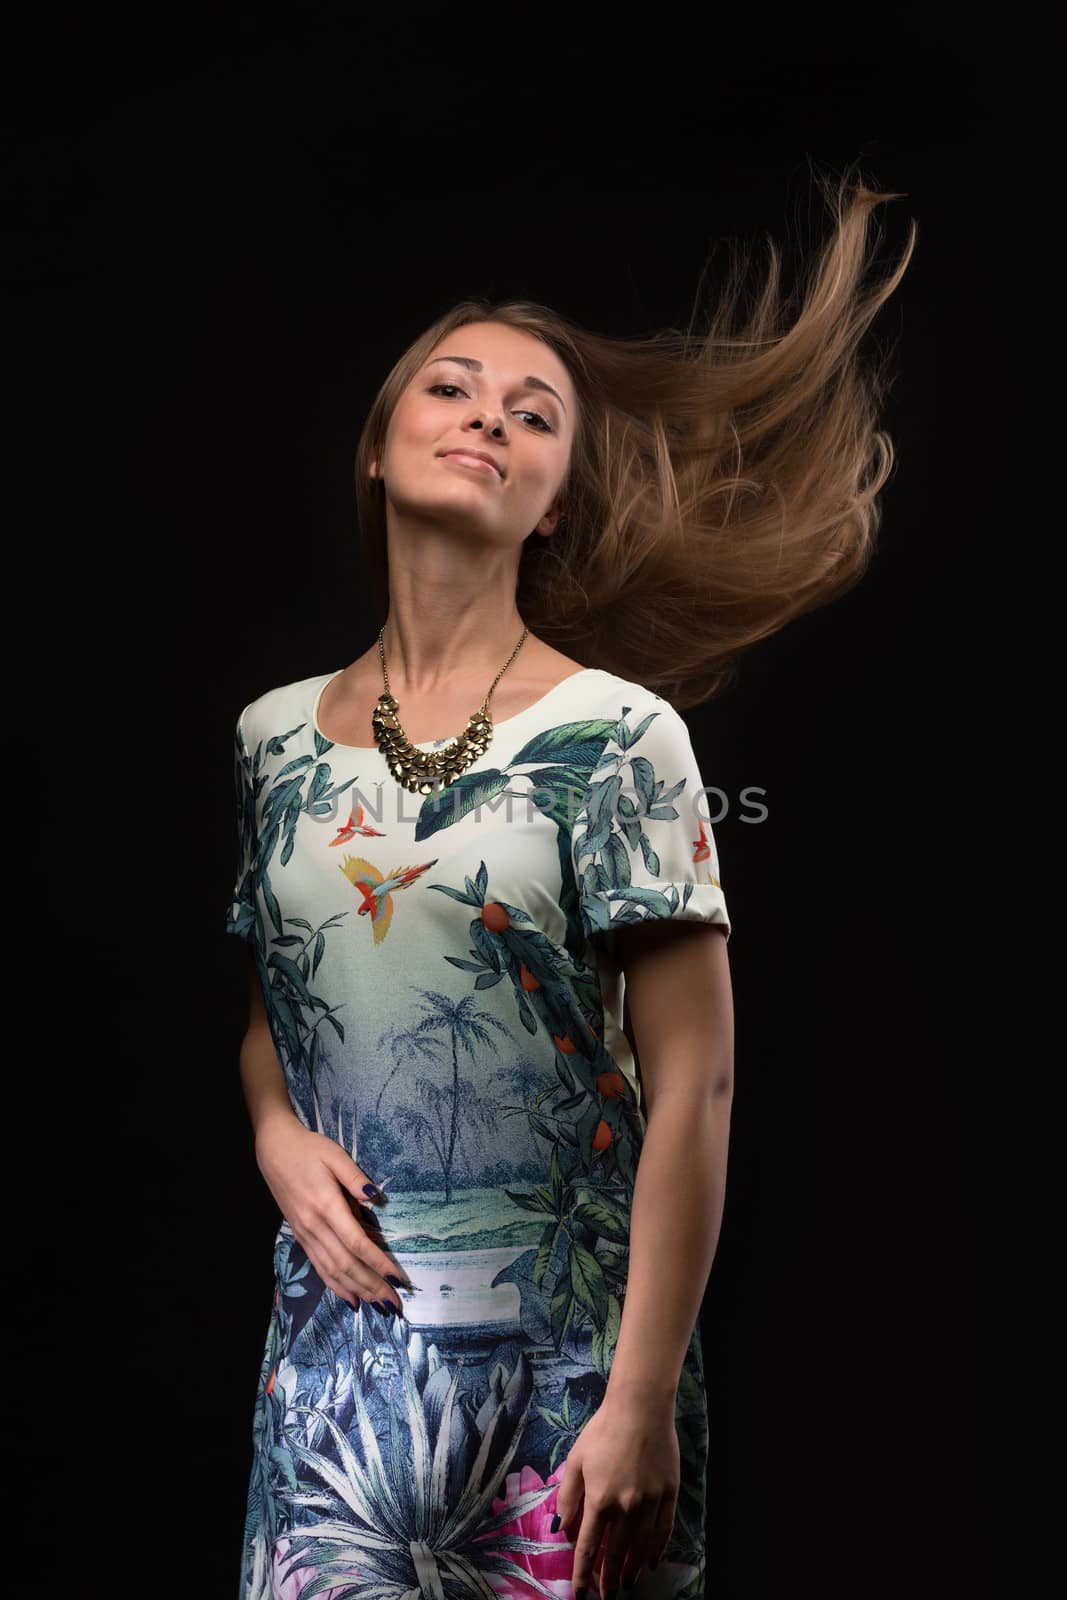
x=312, y=1178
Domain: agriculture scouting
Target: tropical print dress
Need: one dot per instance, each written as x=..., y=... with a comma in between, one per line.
x=441, y=982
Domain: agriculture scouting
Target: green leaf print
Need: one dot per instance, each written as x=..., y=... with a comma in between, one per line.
x=587, y=1279
x=607, y=1337
x=609, y=1224
x=545, y=1251
x=561, y=1307
x=450, y=805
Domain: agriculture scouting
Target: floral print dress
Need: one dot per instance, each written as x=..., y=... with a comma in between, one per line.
x=440, y=978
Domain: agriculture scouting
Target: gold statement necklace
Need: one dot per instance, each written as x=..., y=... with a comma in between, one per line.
x=422, y=770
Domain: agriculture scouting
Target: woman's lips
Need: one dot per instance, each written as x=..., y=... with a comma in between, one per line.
x=471, y=461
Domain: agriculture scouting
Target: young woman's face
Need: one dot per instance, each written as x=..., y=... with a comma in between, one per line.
x=496, y=407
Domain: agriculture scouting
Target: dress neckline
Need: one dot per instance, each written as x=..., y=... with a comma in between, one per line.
x=429, y=745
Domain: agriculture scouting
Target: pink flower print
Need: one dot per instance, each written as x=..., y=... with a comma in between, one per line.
x=296, y=1578
x=553, y=1568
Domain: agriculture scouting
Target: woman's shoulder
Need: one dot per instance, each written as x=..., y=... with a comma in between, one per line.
x=280, y=709
x=633, y=718
x=625, y=694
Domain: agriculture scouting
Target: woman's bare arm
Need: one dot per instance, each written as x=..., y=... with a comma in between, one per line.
x=323, y=1194
x=681, y=1003
x=262, y=1078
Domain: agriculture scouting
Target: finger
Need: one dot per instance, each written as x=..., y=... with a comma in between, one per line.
x=353, y=1177
x=594, y=1523
x=342, y=1291
x=314, y=1246
x=364, y=1270
x=362, y=1210
x=616, y=1548
x=341, y=1281
x=663, y=1528
x=643, y=1546
x=365, y=1215
x=361, y=1260
x=337, y=1267
x=359, y=1195
x=570, y=1494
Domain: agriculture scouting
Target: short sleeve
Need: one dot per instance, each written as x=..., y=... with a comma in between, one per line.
x=642, y=844
x=241, y=915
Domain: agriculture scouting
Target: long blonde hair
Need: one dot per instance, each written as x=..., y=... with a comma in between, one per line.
x=720, y=483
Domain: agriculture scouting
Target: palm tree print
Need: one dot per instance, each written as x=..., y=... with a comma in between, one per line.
x=467, y=1028
x=430, y=1125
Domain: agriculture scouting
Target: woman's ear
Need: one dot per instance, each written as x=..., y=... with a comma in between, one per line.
x=549, y=522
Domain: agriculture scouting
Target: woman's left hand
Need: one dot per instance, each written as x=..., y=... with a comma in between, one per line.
x=621, y=1479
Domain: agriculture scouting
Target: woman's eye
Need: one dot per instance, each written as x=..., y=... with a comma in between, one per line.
x=546, y=426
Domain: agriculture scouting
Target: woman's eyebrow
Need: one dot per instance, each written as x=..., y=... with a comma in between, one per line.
x=476, y=366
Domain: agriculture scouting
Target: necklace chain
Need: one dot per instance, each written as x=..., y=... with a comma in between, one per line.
x=422, y=770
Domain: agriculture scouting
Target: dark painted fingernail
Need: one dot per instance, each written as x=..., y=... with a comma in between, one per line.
x=580, y=1594
x=368, y=1188
x=397, y=1283
x=628, y=1586
x=554, y=1525
x=380, y=1305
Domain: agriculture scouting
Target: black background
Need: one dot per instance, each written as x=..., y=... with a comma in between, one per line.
x=220, y=231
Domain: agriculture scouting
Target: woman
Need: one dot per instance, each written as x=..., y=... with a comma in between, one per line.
x=489, y=1379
